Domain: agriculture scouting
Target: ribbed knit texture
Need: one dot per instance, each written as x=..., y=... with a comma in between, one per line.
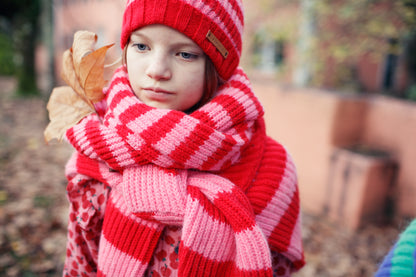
x=229, y=219
x=401, y=260
x=193, y=18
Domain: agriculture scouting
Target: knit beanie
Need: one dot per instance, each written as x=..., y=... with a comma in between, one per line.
x=215, y=25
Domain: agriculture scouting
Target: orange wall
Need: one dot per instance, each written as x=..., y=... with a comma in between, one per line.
x=312, y=123
x=390, y=124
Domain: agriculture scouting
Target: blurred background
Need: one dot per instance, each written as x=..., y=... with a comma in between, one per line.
x=338, y=83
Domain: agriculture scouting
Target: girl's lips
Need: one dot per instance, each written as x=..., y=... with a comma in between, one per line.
x=157, y=94
x=157, y=90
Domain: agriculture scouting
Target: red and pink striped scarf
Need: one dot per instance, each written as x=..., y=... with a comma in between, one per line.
x=214, y=172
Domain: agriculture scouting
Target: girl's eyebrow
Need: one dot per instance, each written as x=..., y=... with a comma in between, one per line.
x=138, y=35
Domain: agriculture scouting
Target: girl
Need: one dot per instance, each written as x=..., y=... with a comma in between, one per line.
x=177, y=176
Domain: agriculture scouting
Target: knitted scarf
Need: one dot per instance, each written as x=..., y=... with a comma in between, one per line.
x=401, y=260
x=214, y=172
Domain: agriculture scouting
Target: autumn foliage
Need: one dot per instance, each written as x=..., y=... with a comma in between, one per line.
x=83, y=72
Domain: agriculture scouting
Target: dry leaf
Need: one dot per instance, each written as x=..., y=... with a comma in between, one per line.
x=83, y=70
x=70, y=76
x=84, y=67
x=83, y=44
x=66, y=108
x=91, y=74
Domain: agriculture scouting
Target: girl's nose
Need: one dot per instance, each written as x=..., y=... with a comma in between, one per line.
x=159, y=68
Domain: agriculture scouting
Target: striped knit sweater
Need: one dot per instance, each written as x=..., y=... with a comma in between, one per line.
x=214, y=172
x=401, y=260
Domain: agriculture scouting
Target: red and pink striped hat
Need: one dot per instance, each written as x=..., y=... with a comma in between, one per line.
x=215, y=25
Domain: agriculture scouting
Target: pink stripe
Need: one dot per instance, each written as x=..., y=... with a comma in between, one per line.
x=124, y=103
x=207, y=236
x=140, y=124
x=210, y=184
x=249, y=107
x=175, y=137
x=112, y=178
x=70, y=167
x=118, y=86
x=200, y=156
x=252, y=241
x=233, y=154
x=219, y=115
x=113, y=262
x=146, y=120
x=207, y=10
x=81, y=138
x=280, y=201
x=294, y=250
x=117, y=146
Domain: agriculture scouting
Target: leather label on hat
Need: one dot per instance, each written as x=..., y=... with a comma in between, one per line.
x=217, y=43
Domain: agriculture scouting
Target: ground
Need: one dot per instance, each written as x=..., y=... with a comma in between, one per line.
x=33, y=206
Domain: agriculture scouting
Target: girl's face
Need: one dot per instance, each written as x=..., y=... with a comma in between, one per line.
x=166, y=68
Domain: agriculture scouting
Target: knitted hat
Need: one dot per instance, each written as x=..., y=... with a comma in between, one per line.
x=215, y=25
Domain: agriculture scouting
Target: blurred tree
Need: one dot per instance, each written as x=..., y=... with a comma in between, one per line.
x=305, y=44
x=410, y=49
x=347, y=30
x=23, y=16
x=7, y=66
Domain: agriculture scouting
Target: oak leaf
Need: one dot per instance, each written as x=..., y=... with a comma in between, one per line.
x=66, y=108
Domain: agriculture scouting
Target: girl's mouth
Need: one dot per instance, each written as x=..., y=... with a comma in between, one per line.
x=157, y=94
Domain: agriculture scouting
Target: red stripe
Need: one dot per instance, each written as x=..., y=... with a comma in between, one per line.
x=234, y=109
x=206, y=205
x=96, y=139
x=128, y=235
x=161, y=127
x=223, y=150
x=248, y=92
x=228, y=23
x=236, y=205
x=155, y=132
x=269, y=176
x=194, y=140
x=282, y=233
x=194, y=264
x=233, y=203
x=132, y=112
x=90, y=168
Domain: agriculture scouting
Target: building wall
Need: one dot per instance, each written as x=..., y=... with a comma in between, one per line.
x=313, y=124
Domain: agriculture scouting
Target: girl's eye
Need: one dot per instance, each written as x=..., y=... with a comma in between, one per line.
x=141, y=46
x=188, y=56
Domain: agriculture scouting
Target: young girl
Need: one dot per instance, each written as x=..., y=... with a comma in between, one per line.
x=176, y=175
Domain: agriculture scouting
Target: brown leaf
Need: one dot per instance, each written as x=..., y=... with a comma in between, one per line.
x=70, y=75
x=66, y=108
x=83, y=70
x=83, y=44
x=91, y=74
x=87, y=66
